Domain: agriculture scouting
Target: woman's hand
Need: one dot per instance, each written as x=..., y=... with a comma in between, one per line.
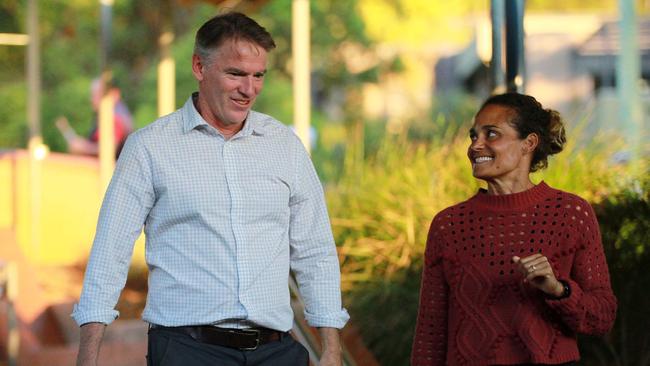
x=538, y=272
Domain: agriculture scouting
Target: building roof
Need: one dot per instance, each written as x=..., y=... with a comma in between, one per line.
x=606, y=41
x=599, y=52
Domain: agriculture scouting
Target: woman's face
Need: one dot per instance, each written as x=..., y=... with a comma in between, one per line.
x=496, y=152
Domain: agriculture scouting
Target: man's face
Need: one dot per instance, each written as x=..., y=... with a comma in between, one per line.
x=229, y=81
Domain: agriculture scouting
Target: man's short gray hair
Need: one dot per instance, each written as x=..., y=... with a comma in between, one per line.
x=230, y=26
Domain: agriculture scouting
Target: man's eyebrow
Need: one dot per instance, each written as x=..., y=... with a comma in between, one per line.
x=234, y=70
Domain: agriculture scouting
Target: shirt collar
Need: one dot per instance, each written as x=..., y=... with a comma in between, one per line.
x=193, y=119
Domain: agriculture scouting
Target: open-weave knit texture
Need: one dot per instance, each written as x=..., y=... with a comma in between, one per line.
x=475, y=308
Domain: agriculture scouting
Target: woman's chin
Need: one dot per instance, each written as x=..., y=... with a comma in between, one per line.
x=479, y=175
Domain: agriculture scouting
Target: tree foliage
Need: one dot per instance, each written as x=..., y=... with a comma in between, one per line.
x=71, y=31
x=70, y=54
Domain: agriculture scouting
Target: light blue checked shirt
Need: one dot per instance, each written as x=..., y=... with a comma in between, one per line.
x=225, y=221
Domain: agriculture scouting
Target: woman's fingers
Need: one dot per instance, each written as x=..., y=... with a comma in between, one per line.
x=536, y=270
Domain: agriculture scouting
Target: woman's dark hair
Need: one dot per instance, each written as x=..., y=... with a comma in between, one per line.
x=531, y=117
x=230, y=26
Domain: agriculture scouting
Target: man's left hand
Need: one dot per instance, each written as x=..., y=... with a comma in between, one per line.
x=331, y=347
x=331, y=358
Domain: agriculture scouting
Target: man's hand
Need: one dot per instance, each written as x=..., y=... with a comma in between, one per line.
x=331, y=347
x=89, y=342
x=64, y=127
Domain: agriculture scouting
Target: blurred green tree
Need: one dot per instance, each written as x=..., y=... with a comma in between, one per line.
x=69, y=37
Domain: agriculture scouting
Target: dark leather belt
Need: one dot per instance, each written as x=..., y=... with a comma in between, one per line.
x=242, y=339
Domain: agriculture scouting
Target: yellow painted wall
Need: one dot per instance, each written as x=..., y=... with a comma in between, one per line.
x=53, y=205
x=6, y=196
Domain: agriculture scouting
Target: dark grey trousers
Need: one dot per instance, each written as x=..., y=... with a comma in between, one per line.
x=168, y=348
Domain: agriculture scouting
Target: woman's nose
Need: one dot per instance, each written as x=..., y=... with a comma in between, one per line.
x=476, y=144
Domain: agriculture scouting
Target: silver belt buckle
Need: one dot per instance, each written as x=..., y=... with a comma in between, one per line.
x=256, y=332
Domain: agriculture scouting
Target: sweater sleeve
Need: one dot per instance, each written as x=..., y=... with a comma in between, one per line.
x=591, y=306
x=430, y=341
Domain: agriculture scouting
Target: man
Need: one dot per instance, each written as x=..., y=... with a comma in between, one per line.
x=122, y=124
x=230, y=202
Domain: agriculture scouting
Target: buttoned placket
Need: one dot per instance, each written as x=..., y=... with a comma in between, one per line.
x=229, y=155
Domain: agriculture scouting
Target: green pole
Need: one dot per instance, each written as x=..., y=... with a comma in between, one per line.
x=497, y=15
x=628, y=73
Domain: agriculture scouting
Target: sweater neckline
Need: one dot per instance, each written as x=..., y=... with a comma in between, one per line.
x=515, y=200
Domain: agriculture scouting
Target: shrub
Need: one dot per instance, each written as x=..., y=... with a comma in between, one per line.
x=625, y=226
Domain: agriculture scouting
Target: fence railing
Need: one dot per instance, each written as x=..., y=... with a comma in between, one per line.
x=306, y=334
x=8, y=292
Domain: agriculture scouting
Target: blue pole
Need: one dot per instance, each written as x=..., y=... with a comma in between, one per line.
x=515, y=61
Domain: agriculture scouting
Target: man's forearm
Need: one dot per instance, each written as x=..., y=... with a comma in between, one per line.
x=89, y=343
x=331, y=346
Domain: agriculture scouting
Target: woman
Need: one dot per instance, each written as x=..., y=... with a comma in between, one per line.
x=512, y=274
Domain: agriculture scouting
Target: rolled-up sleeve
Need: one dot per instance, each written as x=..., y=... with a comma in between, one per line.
x=314, y=259
x=127, y=202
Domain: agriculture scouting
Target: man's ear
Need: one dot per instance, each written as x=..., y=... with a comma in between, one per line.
x=530, y=142
x=197, y=67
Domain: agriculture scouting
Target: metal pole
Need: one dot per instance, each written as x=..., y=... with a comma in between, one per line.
x=515, y=62
x=107, y=103
x=14, y=39
x=497, y=13
x=13, y=338
x=628, y=73
x=166, y=66
x=9, y=292
x=33, y=74
x=37, y=151
x=166, y=75
x=301, y=70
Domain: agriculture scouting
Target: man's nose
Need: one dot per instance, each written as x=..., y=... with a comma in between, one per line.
x=247, y=86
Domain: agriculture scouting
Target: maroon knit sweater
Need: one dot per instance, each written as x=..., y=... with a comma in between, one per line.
x=475, y=308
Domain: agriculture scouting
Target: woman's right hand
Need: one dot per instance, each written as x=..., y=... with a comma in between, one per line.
x=538, y=272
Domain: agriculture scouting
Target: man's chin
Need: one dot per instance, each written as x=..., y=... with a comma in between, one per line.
x=237, y=118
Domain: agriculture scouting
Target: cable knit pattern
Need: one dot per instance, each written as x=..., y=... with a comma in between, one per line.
x=475, y=308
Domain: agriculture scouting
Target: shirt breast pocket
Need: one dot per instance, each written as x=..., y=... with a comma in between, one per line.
x=266, y=196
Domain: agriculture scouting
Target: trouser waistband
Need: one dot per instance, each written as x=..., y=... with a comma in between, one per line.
x=242, y=339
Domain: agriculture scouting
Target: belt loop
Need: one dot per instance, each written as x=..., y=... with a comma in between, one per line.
x=196, y=333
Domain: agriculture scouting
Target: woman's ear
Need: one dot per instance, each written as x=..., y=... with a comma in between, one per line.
x=530, y=142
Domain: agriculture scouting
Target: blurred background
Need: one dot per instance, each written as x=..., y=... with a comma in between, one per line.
x=385, y=104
